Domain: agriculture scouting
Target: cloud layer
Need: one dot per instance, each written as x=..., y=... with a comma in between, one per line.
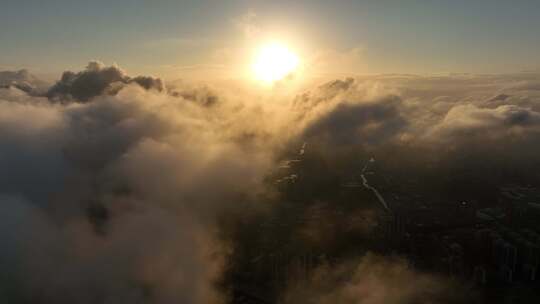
x=115, y=194
x=122, y=192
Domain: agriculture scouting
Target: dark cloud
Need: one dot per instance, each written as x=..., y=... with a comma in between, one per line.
x=96, y=80
x=369, y=123
x=202, y=95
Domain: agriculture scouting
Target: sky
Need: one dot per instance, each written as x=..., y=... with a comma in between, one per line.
x=172, y=38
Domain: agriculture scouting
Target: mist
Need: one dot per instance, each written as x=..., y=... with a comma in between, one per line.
x=121, y=189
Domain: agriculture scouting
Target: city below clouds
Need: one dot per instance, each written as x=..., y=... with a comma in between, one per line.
x=318, y=152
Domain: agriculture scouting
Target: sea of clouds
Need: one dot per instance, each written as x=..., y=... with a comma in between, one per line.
x=112, y=186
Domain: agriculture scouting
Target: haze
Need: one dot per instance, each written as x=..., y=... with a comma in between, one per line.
x=318, y=152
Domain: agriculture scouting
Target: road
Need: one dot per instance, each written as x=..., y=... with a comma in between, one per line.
x=373, y=189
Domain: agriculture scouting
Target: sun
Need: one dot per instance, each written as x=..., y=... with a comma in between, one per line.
x=273, y=62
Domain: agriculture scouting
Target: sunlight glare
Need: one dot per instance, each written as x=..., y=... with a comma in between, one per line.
x=274, y=62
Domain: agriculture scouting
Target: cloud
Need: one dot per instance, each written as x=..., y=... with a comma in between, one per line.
x=97, y=80
x=374, y=279
x=22, y=80
x=370, y=122
x=149, y=255
x=472, y=121
x=32, y=134
x=123, y=186
x=373, y=111
x=350, y=113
